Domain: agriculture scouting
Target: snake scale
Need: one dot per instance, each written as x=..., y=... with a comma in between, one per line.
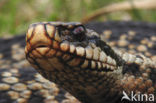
x=81, y=62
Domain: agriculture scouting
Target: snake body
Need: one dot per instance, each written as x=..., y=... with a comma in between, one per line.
x=82, y=63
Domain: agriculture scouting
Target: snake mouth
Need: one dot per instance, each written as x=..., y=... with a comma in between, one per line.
x=41, y=46
x=45, y=41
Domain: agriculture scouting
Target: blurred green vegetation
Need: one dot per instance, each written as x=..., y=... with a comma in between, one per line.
x=16, y=15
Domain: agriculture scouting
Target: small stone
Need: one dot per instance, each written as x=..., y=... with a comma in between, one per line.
x=153, y=38
x=2, y=62
x=131, y=33
x=10, y=80
x=5, y=66
x=14, y=70
x=123, y=37
x=148, y=54
x=132, y=51
x=13, y=94
x=112, y=43
x=153, y=57
x=30, y=81
x=6, y=74
x=19, y=87
x=142, y=48
x=68, y=95
x=22, y=63
x=44, y=93
x=40, y=78
x=50, y=97
x=122, y=43
x=107, y=34
x=15, y=46
x=51, y=101
x=67, y=101
x=7, y=36
x=145, y=75
x=4, y=86
x=144, y=41
x=21, y=100
x=70, y=99
x=35, y=86
x=131, y=46
x=18, y=54
x=26, y=94
x=150, y=44
x=49, y=85
x=1, y=55
x=54, y=91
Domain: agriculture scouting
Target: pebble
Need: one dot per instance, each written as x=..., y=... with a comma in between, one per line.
x=148, y=54
x=21, y=100
x=22, y=64
x=14, y=70
x=1, y=55
x=35, y=86
x=122, y=43
x=6, y=74
x=150, y=44
x=49, y=85
x=153, y=38
x=113, y=43
x=7, y=36
x=144, y=41
x=132, y=51
x=19, y=87
x=13, y=94
x=54, y=91
x=26, y=94
x=70, y=101
x=10, y=80
x=131, y=33
x=4, y=86
x=39, y=78
x=131, y=46
x=16, y=46
x=18, y=54
x=44, y=93
x=123, y=37
x=142, y=48
x=154, y=58
x=107, y=34
x=51, y=101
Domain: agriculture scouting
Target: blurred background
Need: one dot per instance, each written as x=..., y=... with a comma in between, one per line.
x=16, y=15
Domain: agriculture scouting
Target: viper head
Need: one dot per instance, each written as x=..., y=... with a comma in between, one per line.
x=73, y=57
x=72, y=43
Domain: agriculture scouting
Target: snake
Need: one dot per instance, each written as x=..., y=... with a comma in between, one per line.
x=78, y=60
x=20, y=83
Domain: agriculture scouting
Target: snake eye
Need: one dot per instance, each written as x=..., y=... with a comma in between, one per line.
x=78, y=30
x=79, y=33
